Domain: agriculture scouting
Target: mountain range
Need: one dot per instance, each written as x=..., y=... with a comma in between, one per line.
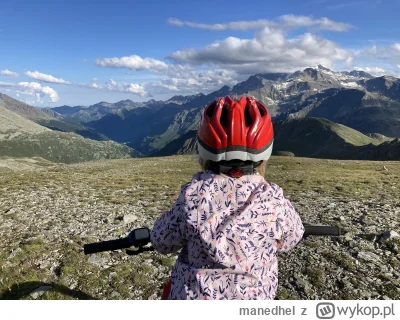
x=350, y=109
x=22, y=135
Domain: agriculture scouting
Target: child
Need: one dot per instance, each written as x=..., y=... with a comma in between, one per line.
x=228, y=221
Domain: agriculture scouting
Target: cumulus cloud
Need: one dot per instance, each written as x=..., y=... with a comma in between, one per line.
x=37, y=89
x=8, y=73
x=375, y=71
x=188, y=81
x=112, y=85
x=134, y=62
x=388, y=57
x=269, y=51
x=283, y=22
x=45, y=77
x=33, y=89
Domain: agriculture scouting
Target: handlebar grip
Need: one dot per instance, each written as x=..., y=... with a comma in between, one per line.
x=106, y=245
x=321, y=231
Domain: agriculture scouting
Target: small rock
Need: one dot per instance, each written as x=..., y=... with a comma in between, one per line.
x=72, y=283
x=115, y=295
x=346, y=284
x=384, y=168
x=39, y=292
x=130, y=218
x=365, y=220
x=348, y=237
x=368, y=256
x=97, y=260
x=302, y=284
x=389, y=235
x=365, y=294
x=111, y=276
x=153, y=297
x=352, y=244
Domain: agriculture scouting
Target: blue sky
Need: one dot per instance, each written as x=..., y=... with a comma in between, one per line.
x=81, y=52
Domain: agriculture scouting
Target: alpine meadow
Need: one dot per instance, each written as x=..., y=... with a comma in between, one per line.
x=200, y=153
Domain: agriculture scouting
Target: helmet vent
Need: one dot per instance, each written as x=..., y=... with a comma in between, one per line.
x=211, y=108
x=263, y=112
x=247, y=117
x=224, y=117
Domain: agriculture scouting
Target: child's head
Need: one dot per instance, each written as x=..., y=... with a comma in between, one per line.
x=235, y=136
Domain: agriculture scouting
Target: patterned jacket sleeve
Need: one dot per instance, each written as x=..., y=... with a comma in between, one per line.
x=290, y=224
x=169, y=231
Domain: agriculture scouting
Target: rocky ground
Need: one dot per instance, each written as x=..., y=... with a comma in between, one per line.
x=48, y=211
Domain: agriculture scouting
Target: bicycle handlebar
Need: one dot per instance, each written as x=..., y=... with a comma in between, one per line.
x=107, y=246
x=322, y=231
x=140, y=237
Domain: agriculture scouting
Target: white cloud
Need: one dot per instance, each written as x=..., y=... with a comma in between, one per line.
x=112, y=85
x=134, y=62
x=388, y=57
x=45, y=77
x=396, y=48
x=37, y=89
x=284, y=22
x=269, y=51
x=194, y=81
x=381, y=52
x=237, y=25
x=33, y=89
x=8, y=73
x=293, y=21
x=375, y=71
x=134, y=88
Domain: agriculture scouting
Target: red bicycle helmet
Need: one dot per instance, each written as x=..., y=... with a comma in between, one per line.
x=235, y=130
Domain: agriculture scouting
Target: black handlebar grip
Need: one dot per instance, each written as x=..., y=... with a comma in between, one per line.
x=321, y=231
x=107, y=245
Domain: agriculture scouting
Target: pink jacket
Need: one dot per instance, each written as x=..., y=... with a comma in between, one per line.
x=229, y=231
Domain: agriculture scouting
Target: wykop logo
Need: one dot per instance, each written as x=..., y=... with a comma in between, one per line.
x=325, y=310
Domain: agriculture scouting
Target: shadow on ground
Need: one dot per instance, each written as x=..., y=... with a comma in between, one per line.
x=22, y=290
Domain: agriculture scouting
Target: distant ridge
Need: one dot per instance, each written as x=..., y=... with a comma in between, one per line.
x=21, y=137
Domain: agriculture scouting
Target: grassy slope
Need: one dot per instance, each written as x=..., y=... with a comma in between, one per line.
x=350, y=135
x=317, y=137
x=185, y=144
x=12, y=125
x=64, y=147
